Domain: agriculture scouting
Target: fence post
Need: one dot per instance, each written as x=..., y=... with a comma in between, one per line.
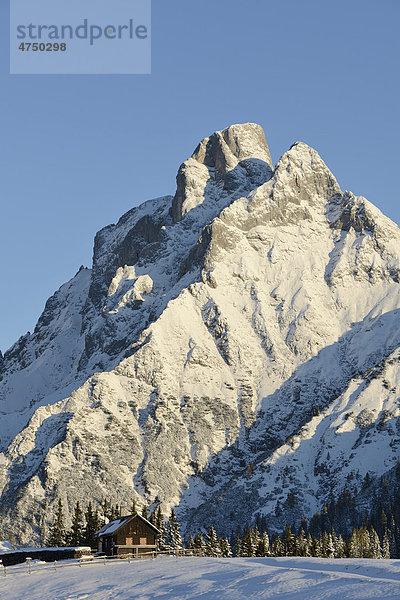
x=28, y=562
x=104, y=560
x=55, y=565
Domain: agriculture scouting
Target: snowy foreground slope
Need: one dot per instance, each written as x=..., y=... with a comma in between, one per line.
x=230, y=344
x=211, y=579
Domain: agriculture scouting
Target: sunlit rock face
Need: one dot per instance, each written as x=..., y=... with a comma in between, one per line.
x=230, y=344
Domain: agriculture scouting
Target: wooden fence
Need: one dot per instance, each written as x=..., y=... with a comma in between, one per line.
x=32, y=566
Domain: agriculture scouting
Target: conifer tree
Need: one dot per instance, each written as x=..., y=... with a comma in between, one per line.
x=133, y=509
x=392, y=537
x=75, y=536
x=302, y=543
x=277, y=547
x=374, y=544
x=212, y=545
x=238, y=544
x=249, y=547
x=316, y=549
x=328, y=549
x=385, y=546
x=174, y=535
x=256, y=536
x=364, y=543
x=112, y=512
x=106, y=510
x=91, y=527
x=199, y=544
x=159, y=518
x=288, y=541
x=153, y=517
x=353, y=545
x=263, y=545
x=225, y=547
x=383, y=521
x=296, y=546
x=144, y=511
x=309, y=545
x=57, y=535
x=159, y=523
x=340, y=551
x=162, y=538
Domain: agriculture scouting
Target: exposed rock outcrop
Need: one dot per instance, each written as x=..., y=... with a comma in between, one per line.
x=252, y=319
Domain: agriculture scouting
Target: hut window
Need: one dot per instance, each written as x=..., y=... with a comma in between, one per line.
x=143, y=541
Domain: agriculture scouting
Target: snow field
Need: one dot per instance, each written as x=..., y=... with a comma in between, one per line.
x=216, y=579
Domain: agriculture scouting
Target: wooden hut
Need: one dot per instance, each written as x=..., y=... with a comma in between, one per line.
x=131, y=534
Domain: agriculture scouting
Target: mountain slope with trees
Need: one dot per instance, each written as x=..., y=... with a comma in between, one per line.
x=233, y=352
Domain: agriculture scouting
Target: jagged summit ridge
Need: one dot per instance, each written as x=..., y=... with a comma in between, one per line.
x=238, y=155
x=236, y=323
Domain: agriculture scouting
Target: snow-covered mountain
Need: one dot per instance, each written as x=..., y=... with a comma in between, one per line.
x=235, y=349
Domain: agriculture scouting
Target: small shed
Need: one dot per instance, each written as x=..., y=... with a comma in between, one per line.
x=131, y=534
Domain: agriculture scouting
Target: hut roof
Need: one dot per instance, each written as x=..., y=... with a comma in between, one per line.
x=113, y=526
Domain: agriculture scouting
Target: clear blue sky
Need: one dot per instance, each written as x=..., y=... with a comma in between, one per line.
x=78, y=151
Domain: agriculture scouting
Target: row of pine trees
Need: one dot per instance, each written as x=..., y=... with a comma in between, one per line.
x=315, y=538
x=85, y=524
x=341, y=529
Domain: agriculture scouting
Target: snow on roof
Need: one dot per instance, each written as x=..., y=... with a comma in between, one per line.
x=149, y=523
x=113, y=526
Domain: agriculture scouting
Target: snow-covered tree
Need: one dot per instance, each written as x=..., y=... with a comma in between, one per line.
x=374, y=544
x=225, y=547
x=277, y=547
x=212, y=545
x=263, y=545
x=256, y=536
x=238, y=545
x=327, y=547
x=364, y=543
x=288, y=541
x=174, y=538
x=249, y=547
x=385, y=546
x=353, y=544
x=340, y=551
x=199, y=544
x=302, y=543
x=158, y=521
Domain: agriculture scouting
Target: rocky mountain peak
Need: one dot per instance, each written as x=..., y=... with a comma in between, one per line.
x=215, y=359
x=228, y=160
x=224, y=149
